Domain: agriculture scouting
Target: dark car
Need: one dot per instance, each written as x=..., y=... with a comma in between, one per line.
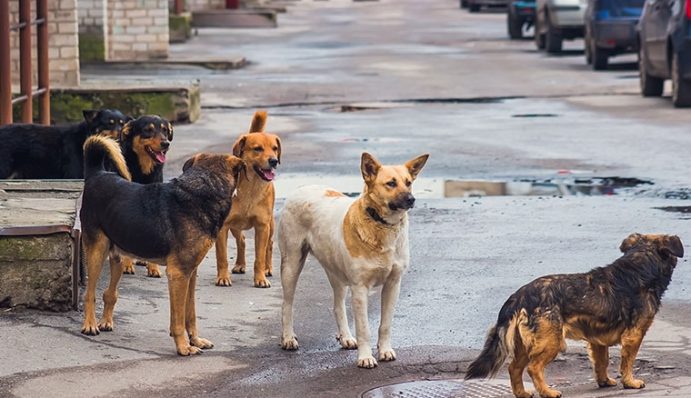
x=665, y=49
x=519, y=13
x=475, y=5
x=610, y=29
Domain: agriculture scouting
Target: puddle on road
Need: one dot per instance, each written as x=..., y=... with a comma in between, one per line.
x=436, y=188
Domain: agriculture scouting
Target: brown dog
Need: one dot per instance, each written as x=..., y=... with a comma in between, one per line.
x=607, y=306
x=253, y=204
x=173, y=223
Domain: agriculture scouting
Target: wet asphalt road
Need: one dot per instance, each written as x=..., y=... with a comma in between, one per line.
x=431, y=78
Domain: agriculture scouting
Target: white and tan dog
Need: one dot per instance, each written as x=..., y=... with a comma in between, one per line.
x=360, y=244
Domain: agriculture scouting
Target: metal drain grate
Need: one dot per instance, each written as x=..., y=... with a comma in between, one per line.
x=443, y=389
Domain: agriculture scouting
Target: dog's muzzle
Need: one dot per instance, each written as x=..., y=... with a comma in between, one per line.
x=404, y=201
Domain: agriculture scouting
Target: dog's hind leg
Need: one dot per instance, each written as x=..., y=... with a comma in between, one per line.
x=191, y=317
x=240, y=261
x=599, y=356
x=262, y=238
x=293, y=256
x=110, y=295
x=340, y=290
x=222, y=275
x=359, y=307
x=631, y=341
x=389, y=296
x=516, y=367
x=95, y=251
x=269, y=264
x=547, y=343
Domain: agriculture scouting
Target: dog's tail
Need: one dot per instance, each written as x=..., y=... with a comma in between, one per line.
x=258, y=122
x=498, y=346
x=98, y=150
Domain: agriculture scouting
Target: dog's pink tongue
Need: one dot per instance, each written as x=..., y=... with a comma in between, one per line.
x=160, y=156
x=269, y=174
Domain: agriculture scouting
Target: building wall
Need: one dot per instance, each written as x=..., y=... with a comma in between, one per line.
x=201, y=5
x=92, y=42
x=63, y=44
x=137, y=29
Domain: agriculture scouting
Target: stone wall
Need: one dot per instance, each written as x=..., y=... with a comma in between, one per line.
x=63, y=50
x=91, y=35
x=137, y=29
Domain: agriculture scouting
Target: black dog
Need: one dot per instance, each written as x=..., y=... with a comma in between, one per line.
x=145, y=142
x=607, y=306
x=173, y=223
x=34, y=151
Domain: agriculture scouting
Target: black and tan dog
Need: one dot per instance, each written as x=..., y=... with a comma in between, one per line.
x=173, y=223
x=145, y=142
x=607, y=306
x=34, y=151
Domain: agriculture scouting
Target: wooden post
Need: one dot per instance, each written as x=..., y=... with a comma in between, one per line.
x=5, y=76
x=43, y=62
x=25, y=70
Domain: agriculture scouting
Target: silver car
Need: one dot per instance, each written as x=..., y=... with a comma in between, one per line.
x=558, y=20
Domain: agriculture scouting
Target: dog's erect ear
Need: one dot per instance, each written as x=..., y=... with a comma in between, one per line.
x=369, y=166
x=189, y=163
x=278, y=144
x=126, y=129
x=90, y=115
x=239, y=146
x=672, y=245
x=414, y=166
x=258, y=122
x=630, y=242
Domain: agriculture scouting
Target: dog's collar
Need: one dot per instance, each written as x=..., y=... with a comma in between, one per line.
x=376, y=217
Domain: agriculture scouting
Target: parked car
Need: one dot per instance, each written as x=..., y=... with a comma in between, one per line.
x=556, y=21
x=664, y=40
x=610, y=29
x=476, y=5
x=519, y=14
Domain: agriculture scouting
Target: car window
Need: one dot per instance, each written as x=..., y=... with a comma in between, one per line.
x=619, y=8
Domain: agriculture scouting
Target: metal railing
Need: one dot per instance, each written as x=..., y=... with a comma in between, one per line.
x=26, y=90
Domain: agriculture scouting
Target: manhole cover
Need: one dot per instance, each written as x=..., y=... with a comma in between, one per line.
x=443, y=389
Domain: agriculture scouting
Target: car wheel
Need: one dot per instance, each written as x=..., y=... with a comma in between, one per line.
x=588, y=53
x=681, y=89
x=473, y=7
x=553, y=39
x=651, y=86
x=600, y=57
x=539, y=37
x=514, y=25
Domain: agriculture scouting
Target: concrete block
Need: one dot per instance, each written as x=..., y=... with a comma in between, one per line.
x=234, y=19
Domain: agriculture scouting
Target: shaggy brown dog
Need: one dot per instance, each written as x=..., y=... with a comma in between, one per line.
x=607, y=306
x=173, y=223
x=253, y=204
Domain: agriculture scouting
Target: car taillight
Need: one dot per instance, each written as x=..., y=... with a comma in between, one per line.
x=688, y=9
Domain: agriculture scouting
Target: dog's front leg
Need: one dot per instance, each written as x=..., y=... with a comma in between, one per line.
x=222, y=274
x=178, y=285
x=261, y=243
x=631, y=341
x=191, y=316
x=389, y=296
x=364, y=350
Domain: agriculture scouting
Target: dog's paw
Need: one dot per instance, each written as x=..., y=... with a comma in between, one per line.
x=607, y=383
x=289, y=343
x=268, y=273
x=239, y=268
x=105, y=325
x=189, y=350
x=90, y=329
x=367, y=362
x=387, y=356
x=347, y=343
x=223, y=281
x=524, y=394
x=153, y=271
x=201, y=343
x=550, y=393
x=633, y=383
x=263, y=283
x=128, y=269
